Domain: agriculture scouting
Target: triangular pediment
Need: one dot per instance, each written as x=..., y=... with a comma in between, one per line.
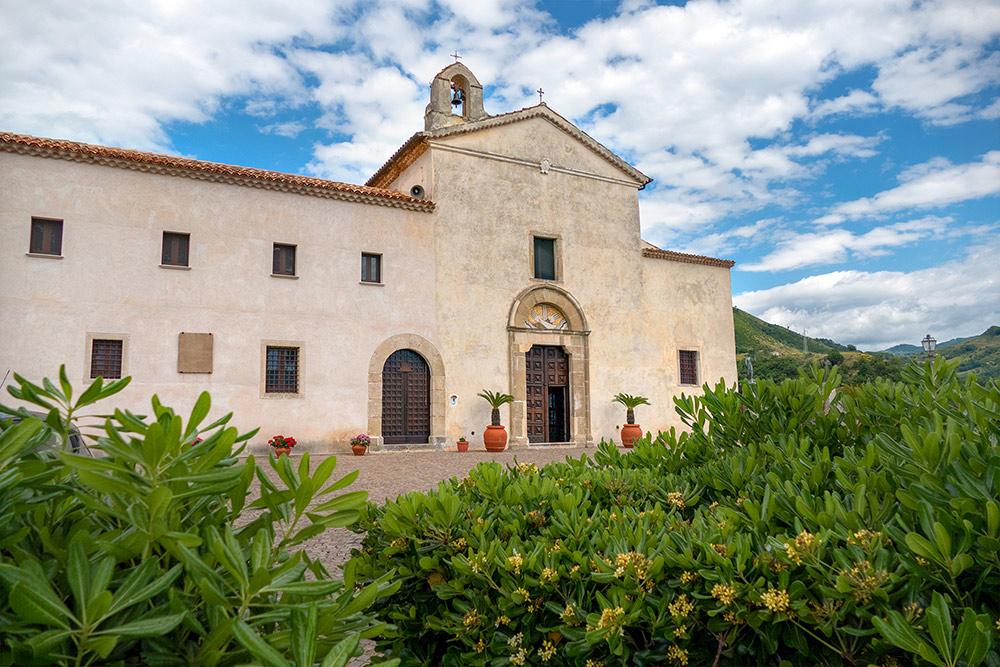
x=534, y=142
x=534, y=134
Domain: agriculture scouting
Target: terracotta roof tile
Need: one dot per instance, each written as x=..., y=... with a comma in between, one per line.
x=404, y=156
x=675, y=256
x=209, y=171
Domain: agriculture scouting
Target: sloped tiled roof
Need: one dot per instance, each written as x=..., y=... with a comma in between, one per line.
x=675, y=256
x=417, y=144
x=208, y=171
x=404, y=156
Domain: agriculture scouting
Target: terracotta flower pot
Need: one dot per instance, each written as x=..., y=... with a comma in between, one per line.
x=463, y=445
x=630, y=433
x=282, y=451
x=359, y=450
x=495, y=438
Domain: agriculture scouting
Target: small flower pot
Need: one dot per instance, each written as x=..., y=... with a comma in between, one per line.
x=282, y=451
x=630, y=433
x=359, y=450
x=495, y=438
x=463, y=445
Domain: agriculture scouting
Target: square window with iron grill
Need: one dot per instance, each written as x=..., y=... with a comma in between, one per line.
x=689, y=366
x=106, y=358
x=281, y=373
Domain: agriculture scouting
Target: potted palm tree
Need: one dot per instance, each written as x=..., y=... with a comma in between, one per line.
x=495, y=436
x=630, y=431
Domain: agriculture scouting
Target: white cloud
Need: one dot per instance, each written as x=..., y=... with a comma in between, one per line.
x=928, y=185
x=289, y=129
x=854, y=102
x=850, y=145
x=875, y=310
x=926, y=80
x=833, y=246
x=116, y=73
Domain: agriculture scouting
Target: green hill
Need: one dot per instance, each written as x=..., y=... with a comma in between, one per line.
x=979, y=354
x=902, y=349
x=777, y=352
x=755, y=335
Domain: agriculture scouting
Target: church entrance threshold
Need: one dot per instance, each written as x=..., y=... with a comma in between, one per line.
x=547, y=394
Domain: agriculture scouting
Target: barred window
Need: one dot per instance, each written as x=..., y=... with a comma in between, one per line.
x=46, y=236
x=284, y=260
x=106, y=358
x=175, y=249
x=689, y=366
x=371, y=268
x=281, y=374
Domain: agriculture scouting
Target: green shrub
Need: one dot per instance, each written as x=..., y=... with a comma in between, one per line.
x=149, y=553
x=796, y=523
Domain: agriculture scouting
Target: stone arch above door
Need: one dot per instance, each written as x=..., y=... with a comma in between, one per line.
x=541, y=295
x=425, y=349
x=571, y=333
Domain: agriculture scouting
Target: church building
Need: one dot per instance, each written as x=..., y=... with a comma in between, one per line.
x=497, y=252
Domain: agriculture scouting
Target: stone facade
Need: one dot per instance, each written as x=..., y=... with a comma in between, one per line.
x=457, y=283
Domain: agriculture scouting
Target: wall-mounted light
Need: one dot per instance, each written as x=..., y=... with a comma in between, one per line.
x=453, y=400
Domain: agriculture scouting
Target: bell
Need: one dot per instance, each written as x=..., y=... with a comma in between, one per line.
x=456, y=96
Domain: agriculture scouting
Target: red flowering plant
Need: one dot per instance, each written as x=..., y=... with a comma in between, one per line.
x=281, y=441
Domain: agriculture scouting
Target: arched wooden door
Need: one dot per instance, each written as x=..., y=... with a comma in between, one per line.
x=406, y=399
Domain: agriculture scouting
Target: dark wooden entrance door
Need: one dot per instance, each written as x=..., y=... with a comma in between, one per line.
x=406, y=399
x=547, y=394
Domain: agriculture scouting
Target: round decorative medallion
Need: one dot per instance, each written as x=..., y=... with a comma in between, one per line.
x=545, y=316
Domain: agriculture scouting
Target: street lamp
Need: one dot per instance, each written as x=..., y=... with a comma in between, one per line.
x=930, y=344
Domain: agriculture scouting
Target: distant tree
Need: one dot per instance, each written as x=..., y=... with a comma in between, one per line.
x=769, y=367
x=852, y=348
x=871, y=367
x=835, y=358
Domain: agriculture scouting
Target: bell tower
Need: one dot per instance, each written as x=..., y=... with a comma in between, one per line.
x=456, y=97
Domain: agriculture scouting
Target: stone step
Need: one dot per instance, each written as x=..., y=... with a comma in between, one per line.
x=425, y=447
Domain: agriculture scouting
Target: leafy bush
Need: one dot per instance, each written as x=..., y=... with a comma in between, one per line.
x=796, y=523
x=150, y=554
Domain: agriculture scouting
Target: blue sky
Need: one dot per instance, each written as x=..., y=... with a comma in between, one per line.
x=846, y=154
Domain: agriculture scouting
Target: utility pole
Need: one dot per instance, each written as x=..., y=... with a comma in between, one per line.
x=805, y=342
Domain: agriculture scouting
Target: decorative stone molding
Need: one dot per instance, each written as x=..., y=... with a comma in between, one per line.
x=435, y=363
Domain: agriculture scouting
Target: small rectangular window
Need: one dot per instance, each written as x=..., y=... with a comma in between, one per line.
x=284, y=260
x=46, y=236
x=281, y=372
x=106, y=358
x=371, y=268
x=689, y=366
x=175, y=249
x=545, y=258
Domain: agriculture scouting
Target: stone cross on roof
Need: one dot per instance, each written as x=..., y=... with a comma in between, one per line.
x=456, y=56
x=540, y=93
